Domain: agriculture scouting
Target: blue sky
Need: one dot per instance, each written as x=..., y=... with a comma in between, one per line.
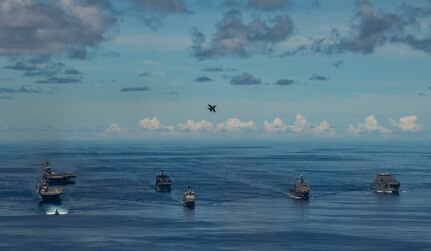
x=276, y=69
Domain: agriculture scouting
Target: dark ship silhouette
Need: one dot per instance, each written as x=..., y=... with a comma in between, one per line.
x=300, y=190
x=163, y=182
x=54, y=178
x=189, y=198
x=385, y=183
x=48, y=193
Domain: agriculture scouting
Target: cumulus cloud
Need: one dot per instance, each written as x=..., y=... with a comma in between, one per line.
x=196, y=126
x=371, y=29
x=150, y=124
x=300, y=126
x=114, y=128
x=323, y=128
x=245, y=79
x=45, y=27
x=234, y=38
x=236, y=125
x=135, y=89
x=370, y=124
x=275, y=126
x=406, y=124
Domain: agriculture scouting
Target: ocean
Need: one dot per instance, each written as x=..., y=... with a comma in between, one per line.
x=241, y=196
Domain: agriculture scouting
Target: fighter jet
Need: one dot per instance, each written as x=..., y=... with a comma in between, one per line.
x=211, y=108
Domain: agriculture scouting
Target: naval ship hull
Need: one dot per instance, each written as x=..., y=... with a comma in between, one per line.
x=52, y=195
x=298, y=196
x=60, y=178
x=52, y=180
x=50, y=198
x=163, y=188
x=189, y=204
x=385, y=188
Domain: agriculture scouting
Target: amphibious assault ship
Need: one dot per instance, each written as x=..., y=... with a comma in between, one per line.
x=385, y=183
x=48, y=193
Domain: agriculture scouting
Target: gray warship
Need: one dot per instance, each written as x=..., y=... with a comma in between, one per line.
x=48, y=193
x=163, y=182
x=55, y=178
x=300, y=190
x=189, y=198
x=385, y=183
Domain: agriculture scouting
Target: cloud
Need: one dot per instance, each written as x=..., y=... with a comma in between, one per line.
x=274, y=126
x=135, y=89
x=31, y=27
x=72, y=72
x=318, y=78
x=114, y=128
x=57, y=80
x=162, y=7
x=262, y=5
x=268, y=5
x=316, y=4
x=203, y=79
x=370, y=124
x=219, y=69
x=245, y=79
x=234, y=38
x=338, y=63
x=196, y=126
x=174, y=93
x=6, y=97
x=406, y=124
x=322, y=128
x=300, y=126
x=150, y=124
x=285, y=82
x=20, y=90
x=154, y=125
x=236, y=125
x=145, y=74
x=151, y=12
x=35, y=66
x=371, y=29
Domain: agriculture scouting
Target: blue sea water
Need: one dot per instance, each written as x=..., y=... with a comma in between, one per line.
x=241, y=196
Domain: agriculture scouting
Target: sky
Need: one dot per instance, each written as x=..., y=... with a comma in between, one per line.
x=276, y=69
